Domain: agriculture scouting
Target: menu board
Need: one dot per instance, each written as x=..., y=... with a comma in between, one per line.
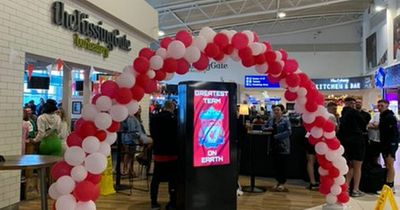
x=211, y=128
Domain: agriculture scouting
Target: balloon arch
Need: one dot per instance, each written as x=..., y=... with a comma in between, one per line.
x=89, y=145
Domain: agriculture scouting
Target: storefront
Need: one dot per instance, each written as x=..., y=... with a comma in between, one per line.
x=55, y=49
x=391, y=86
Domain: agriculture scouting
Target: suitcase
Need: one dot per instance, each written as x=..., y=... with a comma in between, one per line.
x=372, y=178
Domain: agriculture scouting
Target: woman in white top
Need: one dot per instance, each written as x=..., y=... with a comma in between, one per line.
x=64, y=128
x=49, y=128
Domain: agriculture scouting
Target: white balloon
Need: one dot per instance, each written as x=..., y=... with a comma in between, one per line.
x=103, y=103
x=128, y=69
x=156, y=62
x=316, y=132
x=96, y=163
x=331, y=199
x=332, y=155
x=235, y=55
x=89, y=205
x=66, y=202
x=132, y=107
x=53, y=193
x=299, y=108
x=199, y=42
x=336, y=189
x=340, y=180
x=162, y=52
x=111, y=137
x=301, y=100
x=151, y=74
x=278, y=55
x=208, y=34
x=341, y=150
x=74, y=155
x=344, y=170
x=283, y=84
x=249, y=35
x=176, y=49
x=256, y=49
x=89, y=112
x=103, y=120
x=263, y=47
x=169, y=76
x=261, y=69
x=330, y=135
x=308, y=117
x=91, y=144
x=119, y=112
x=126, y=80
x=321, y=148
x=192, y=54
x=65, y=185
x=293, y=89
x=322, y=171
x=78, y=173
x=105, y=149
x=302, y=92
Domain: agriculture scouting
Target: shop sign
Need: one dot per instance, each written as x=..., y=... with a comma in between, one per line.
x=351, y=83
x=78, y=22
x=212, y=66
x=258, y=81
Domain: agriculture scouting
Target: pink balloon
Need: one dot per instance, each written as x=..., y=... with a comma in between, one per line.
x=185, y=37
x=240, y=40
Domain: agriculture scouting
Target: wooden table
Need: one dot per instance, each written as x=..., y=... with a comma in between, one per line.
x=40, y=162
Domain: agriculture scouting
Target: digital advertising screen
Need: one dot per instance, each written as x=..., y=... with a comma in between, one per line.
x=211, y=128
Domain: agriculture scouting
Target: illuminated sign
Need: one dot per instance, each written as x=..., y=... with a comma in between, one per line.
x=211, y=128
x=259, y=81
x=352, y=83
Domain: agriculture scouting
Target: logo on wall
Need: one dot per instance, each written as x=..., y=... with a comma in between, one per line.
x=77, y=22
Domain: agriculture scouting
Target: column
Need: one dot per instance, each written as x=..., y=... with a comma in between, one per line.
x=67, y=94
x=87, y=87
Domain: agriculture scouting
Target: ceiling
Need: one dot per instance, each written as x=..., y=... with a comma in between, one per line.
x=257, y=15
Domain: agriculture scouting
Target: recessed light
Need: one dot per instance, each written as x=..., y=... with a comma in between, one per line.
x=161, y=33
x=281, y=14
x=379, y=8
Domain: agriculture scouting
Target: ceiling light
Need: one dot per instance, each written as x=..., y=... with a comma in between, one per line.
x=161, y=33
x=281, y=14
x=379, y=8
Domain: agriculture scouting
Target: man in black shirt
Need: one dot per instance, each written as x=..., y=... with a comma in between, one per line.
x=351, y=136
x=389, y=138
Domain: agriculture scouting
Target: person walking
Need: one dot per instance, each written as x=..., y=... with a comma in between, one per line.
x=64, y=128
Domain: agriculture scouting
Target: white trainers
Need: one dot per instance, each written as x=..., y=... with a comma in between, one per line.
x=239, y=192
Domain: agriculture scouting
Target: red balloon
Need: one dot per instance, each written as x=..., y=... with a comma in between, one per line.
x=141, y=65
x=290, y=66
x=320, y=99
x=160, y=75
x=313, y=141
x=147, y=53
x=323, y=162
x=270, y=56
x=240, y=40
x=334, y=172
x=229, y=49
x=151, y=87
x=185, y=37
x=114, y=127
x=311, y=106
x=329, y=126
x=78, y=123
x=290, y=96
x=88, y=128
x=245, y=53
x=85, y=191
x=202, y=63
x=94, y=99
x=312, y=93
x=142, y=80
x=267, y=46
x=292, y=80
x=273, y=80
x=211, y=50
x=109, y=88
x=124, y=95
x=324, y=189
x=333, y=144
x=275, y=68
x=101, y=135
x=170, y=65
x=344, y=187
x=283, y=75
x=259, y=59
x=304, y=80
x=221, y=39
x=284, y=54
x=327, y=180
x=343, y=197
x=93, y=178
x=307, y=126
x=61, y=168
x=248, y=62
x=74, y=139
x=183, y=67
x=319, y=122
x=165, y=42
x=138, y=92
x=220, y=56
x=256, y=39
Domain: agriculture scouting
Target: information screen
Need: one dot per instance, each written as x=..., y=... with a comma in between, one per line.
x=211, y=128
